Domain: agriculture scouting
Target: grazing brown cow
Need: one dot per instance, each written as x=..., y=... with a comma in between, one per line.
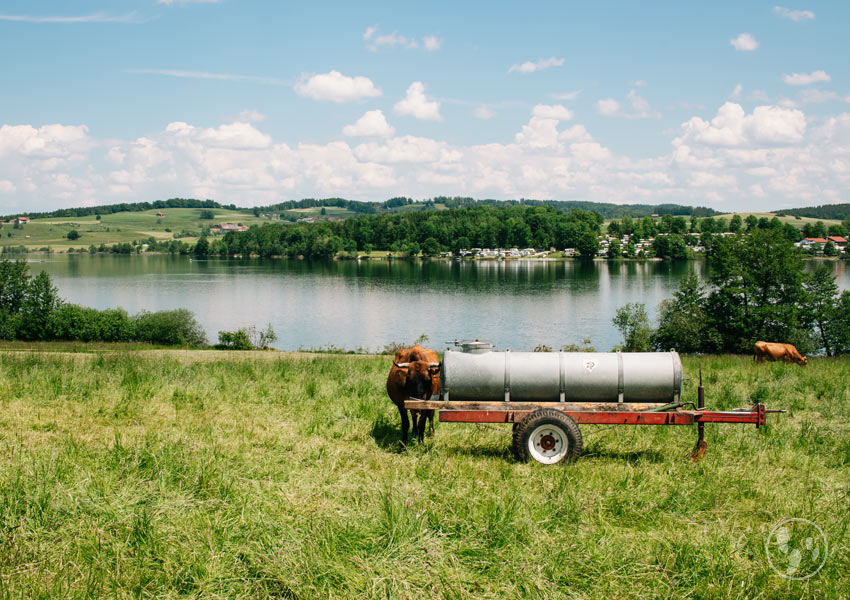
x=777, y=351
x=415, y=374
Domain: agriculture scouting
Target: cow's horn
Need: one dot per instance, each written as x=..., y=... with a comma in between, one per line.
x=433, y=364
x=401, y=365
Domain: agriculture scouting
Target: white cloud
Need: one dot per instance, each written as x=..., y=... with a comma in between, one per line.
x=558, y=112
x=415, y=104
x=567, y=95
x=207, y=75
x=758, y=96
x=432, y=43
x=375, y=41
x=483, y=112
x=816, y=96
x=806, y=78
x=7, y=187
x=640, y=108
x=744, y=42
x=336, y=87
x=250, y=116
x=608, y=107
x=233, y=135
x=99, y=17
x=794, y=15
x=530, y=66
x=732, y=127
x=372, y=124
x=736, y=93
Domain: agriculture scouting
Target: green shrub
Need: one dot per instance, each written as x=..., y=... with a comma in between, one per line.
x=170, y=327
x=234, y=340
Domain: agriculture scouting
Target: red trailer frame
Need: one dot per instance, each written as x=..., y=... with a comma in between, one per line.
x=597, y=414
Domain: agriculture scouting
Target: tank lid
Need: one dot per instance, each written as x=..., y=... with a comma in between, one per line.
x=474, y=346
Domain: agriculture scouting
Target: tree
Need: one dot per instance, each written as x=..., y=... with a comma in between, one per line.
x=73, y=234
x=752, y=221
x=430, y=247
x=615, y=249
x=820, y=301
x=682, y=322
x=588, y=244
x=758, y=289
x=202, y=246
x=207, y=215
x=633, y=323
x=829, y=249
x=41, y=301
x=735, y=223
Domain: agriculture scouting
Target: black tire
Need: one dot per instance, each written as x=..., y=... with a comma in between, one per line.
x=558, y=437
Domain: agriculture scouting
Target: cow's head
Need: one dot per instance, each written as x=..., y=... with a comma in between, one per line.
x=803, y=361
x=418, y=377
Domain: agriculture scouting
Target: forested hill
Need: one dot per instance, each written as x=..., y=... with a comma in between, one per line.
x=430, y=232
x=398, y=204
x=108, y=209
x=826, y=211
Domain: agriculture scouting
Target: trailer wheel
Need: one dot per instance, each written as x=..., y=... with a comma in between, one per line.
x=548, y=436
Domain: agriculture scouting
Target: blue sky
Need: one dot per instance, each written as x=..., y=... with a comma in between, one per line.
x=738, y=106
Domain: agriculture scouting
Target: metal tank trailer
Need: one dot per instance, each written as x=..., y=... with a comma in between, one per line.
x=546, y=395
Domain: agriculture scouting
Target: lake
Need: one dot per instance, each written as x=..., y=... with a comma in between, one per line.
x=369, y=304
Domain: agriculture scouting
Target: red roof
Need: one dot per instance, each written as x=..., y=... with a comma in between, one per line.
x=838, y=239
x=817, y=240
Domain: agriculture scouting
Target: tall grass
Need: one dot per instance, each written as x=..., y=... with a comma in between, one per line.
x=169, y=474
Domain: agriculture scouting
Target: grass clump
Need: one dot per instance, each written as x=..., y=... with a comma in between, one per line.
x=213, y=474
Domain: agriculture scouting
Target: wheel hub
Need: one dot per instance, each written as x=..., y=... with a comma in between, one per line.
x=547, y=442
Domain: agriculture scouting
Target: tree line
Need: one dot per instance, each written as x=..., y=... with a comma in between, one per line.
x=433, y=232
x=837, y=212
x=757, y=289
x=109, y=209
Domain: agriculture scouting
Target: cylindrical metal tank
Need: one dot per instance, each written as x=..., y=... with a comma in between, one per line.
x=481, y=376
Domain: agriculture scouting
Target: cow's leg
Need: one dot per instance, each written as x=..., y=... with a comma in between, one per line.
x=420, y=426
x=405, y=423
x=431, y=421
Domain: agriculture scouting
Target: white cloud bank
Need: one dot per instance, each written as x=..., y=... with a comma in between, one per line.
x=770, y=157
x=335, y=87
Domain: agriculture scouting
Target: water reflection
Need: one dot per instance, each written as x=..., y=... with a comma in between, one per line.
x=519, y=304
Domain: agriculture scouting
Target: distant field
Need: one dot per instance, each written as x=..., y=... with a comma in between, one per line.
x=174, y=474
x=795, y=221
x=117, y=227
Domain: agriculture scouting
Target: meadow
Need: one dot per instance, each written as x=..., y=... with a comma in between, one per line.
x=119, y=227
x=207, y=474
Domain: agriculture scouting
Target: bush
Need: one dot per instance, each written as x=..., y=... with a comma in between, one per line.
x=633, y=323
x=246, y=339
x=73, y=234
x=234, y=340
x=170, y=327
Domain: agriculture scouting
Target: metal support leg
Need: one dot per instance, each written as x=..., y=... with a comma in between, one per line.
x=699, y=450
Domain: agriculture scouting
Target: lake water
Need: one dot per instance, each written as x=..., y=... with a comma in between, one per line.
x=368, y=304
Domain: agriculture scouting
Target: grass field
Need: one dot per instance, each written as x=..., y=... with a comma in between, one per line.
x=177, y=474
x=118, y=227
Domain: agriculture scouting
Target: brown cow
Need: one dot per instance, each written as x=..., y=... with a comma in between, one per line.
x=414, y=374
x=777, y=351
